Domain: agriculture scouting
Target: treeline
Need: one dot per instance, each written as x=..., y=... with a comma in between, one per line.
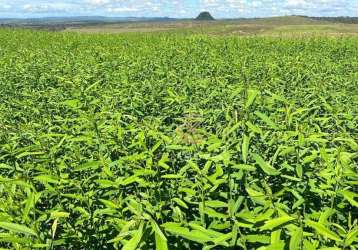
x=340, y=19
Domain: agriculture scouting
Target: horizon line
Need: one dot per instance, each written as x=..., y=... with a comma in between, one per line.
x=163, y=17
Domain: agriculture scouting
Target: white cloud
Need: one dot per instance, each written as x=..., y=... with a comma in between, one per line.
x=296, y=3
x=98, y=2
x=121, y=9
x=44, y=8
x=178, y=8
x=223, y=4
x=320, y=7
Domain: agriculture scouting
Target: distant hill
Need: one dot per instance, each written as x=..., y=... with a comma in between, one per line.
x=77, y=20
x=205, y=16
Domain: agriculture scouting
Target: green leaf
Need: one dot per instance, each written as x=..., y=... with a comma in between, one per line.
x=107, y=183
x=256, y=196
x=235, y=205
x=130, y=180
x=266, y=119
x=280, y=245
x=160, y=239
x=212, y=213
x=290, y=178
x=4, y=166
x=209, y=232
x=109, y=204
x=194, y=235
x=263, y=216
x=180, y=202
x=330, y=248
x=73, y=103
x=299, y=171
x=8, y=238
x=198, y=236
x=121, y=236
x=267, y=168
x=350, y=197
x=223, y=238
x=277, y=97
x=308, y=245
x=258, y=238
x=157, y=230
x=253, y=128
x=57, y=214
x=245, y=148
x=17, y=228
x=276, y=236
x=172, y=176
x=40, y=246
x=215, y=203
x=160, y=244
x=24, y=154
x=252, y=93
x=296, y=239
x=228, y=132
x=175, y=228
x=244, y=167
x=322, y=230
x=135, y=240
x=325, y=215
x=29, y=205
x=352, y=236
x=92, y=85
x=47, y=179
x=270, y=224
x=91, y=165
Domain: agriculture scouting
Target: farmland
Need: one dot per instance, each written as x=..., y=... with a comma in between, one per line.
x=273, y=26
x=177, y=141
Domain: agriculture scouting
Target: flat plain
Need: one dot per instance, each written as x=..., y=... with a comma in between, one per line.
x=275, y=26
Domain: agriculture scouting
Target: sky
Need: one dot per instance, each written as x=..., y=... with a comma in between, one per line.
x=177, y=8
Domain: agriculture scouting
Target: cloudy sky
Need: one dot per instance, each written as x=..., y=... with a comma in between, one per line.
x=177, y=8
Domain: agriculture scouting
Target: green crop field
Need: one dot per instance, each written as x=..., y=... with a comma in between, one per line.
x=173, y=141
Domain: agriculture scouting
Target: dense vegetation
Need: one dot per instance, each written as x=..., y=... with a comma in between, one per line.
x=177, y=142
x=340, y=19
x=205, y=16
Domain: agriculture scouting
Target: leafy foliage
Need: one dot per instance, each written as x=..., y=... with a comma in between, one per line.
x=204, y=16
x=177, y=142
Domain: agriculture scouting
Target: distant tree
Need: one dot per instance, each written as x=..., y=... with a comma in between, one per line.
x=205, y=16
x=340, y=19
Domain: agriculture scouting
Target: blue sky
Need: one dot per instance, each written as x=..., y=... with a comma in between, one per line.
x=177, y=8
